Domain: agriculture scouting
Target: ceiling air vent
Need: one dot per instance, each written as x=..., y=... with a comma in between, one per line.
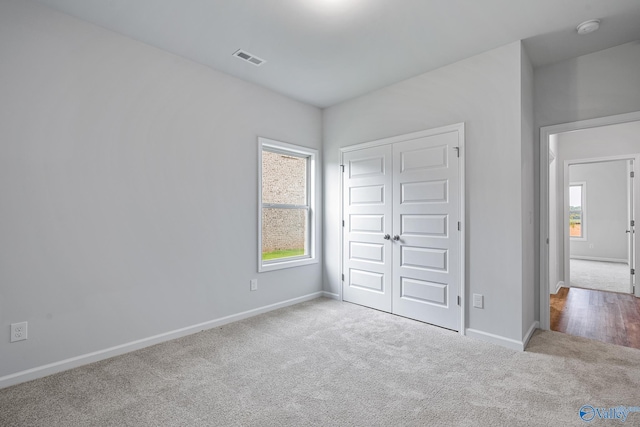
x=249, y=57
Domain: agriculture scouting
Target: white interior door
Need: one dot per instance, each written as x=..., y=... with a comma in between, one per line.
x=367, y=221
x=426, y=249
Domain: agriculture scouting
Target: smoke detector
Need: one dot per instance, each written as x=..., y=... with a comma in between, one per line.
x=588, y=26
x=249, y=57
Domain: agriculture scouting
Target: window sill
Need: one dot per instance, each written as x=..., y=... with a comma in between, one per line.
x=280, y=265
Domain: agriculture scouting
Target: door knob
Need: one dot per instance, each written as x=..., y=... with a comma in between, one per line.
x=396, y=237
x=387, y=236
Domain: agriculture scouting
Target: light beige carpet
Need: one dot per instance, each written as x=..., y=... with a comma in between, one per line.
x=328, y=363
x=601, y=276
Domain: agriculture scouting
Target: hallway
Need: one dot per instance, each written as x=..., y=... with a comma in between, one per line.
x=604, y=316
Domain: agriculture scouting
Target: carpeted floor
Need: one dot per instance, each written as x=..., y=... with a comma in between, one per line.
x=601, y=276
x=329, y=363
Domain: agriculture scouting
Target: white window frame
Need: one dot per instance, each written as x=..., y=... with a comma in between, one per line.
x=583, y=219
x=311, y=240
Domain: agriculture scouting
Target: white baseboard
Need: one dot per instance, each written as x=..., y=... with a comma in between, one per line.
x=500, y=340
x=331, y=295
x=602, y=259
x=525, y=341
x=74, y=362
x=558, y=286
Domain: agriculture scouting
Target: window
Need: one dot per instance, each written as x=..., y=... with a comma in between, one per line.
x=287, y=230
x=577, y=217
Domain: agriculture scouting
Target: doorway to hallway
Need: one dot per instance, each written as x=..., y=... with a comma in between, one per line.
x=585, y=292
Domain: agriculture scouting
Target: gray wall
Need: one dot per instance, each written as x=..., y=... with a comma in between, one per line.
x=613, y=140
x=129, y=189
x=606, y=207
x=600, y=84
x=484, y=92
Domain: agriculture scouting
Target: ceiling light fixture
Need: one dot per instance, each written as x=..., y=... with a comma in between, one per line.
x=588, y=26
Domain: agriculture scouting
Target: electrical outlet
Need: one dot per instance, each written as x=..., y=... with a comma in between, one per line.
x=478, y=300
x=18, y=331
x=254, y=285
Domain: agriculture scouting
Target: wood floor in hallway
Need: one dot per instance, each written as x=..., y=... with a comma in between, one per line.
x=604, y=316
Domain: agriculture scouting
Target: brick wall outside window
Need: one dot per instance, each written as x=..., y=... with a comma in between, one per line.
x=284, y=181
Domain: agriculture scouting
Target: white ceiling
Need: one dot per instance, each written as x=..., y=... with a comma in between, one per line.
x=325, y=51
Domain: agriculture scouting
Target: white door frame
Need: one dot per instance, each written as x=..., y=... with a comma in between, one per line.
x=459, y=127
x=545, y=135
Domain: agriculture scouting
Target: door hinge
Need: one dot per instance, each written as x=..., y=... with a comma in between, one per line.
x=458, y=299
x=632, y=174
x=343, y=277
x=457, y=151
x=459, y=226
x=342, y=167
x=343, y=222
x=633, y=222
x=633, y=271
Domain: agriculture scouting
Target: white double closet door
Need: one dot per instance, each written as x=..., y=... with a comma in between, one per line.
x=401, y=238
